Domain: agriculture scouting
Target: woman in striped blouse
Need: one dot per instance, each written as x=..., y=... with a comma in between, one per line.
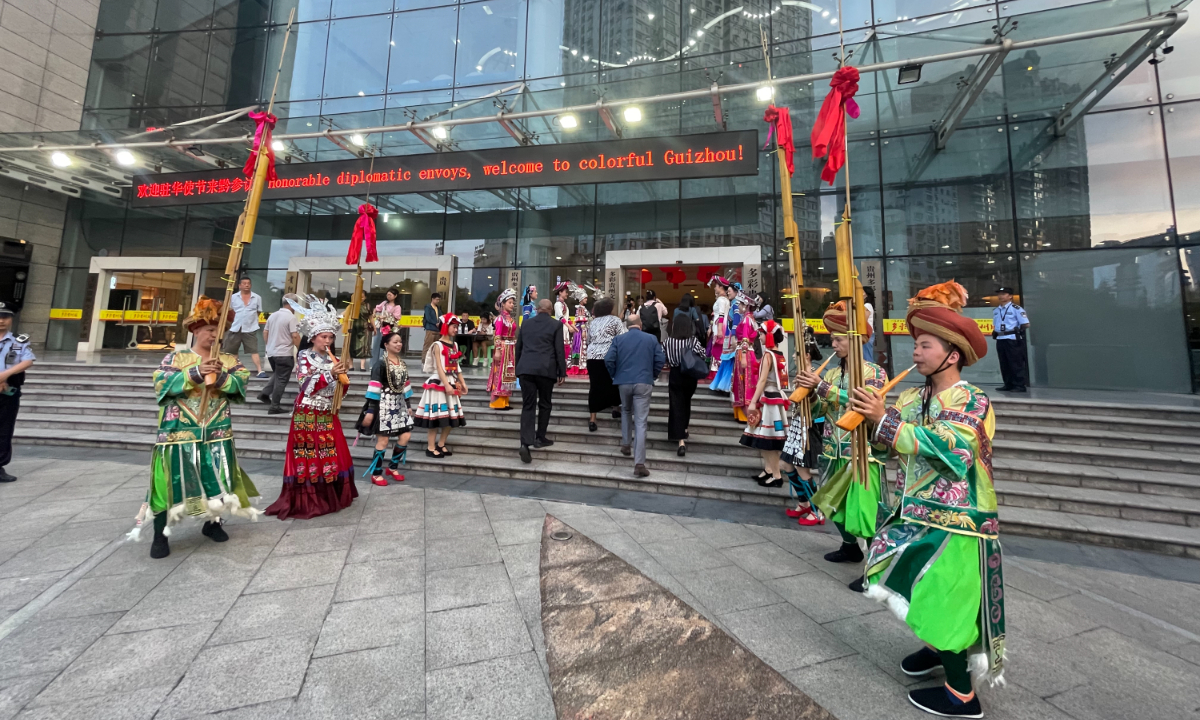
x=601, y=330
x=680, y=387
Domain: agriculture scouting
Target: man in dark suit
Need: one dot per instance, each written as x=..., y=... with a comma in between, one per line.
x=540, y=364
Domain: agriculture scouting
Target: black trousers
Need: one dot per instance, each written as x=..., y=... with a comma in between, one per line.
x=9, y=405
x=535, y=400
x=680, y=389
x=281, y=372
x=1014, y=362
x=602, y=394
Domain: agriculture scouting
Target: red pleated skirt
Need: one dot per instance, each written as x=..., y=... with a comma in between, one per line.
x=318, y=472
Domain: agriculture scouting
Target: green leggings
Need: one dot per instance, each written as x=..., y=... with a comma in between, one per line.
x=847, y=538
x=958, y=677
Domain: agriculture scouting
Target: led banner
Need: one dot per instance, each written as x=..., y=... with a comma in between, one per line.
x=658, y=158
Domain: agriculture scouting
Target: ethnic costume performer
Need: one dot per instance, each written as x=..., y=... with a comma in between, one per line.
x=562, y=313
x=852, y=506
x=529, y=303
x=502, y=378
x=577, y=358
x=386, y=413
x=745, y=362
x=937, y=562
x=441, y=406
x=801, y=449
x=766, y=407
x=720, y=316
x=318, y=472
x=725, y=344
x=194, y=469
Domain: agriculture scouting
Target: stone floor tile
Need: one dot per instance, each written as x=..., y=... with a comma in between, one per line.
x=620, y=544
x=125, y=510
x=100, y=531
x=522, y=560
x=231, y=676
x=726, y=589
x=645, y=528
x=300, y=611
x=822, y=598
x=724, y=534
x=15, y=592
x=134, y=559
x=459, y=587
x=783, y=637
x=528, y=590
x=391, y=520
x=293, y=571
x=766, y=561
x=1044, y=669
x=377, y=622
x=387, y=546
x=104, y=594
x=470, y=634
x=461, y=552
x=461, y=525
x=16, y=692
x=39, y=558
x=514, y=532
x=271, y=710
x=210, y=562
x=301, y=540
x=179, y=604
x=880, y=637
x=10, y=547
x=379, y=684
x=852, y=688
x=1041, y=619
x=1027, y=582
x=140, y=705
x=41, y=646
x=502, y=689
x=127, y=663
x=1013, y=702
x=345, y=517
x=442, y=503
x=802, y=542
x=378, y=578
x=591, y=521
x=501, y=507
x=680, y=557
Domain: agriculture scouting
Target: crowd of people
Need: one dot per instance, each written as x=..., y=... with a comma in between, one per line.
x=931, y=539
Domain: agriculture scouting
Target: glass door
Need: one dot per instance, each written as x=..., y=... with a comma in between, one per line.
x=146, y=310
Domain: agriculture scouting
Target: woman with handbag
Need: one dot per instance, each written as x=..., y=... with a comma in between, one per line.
x=685, y=357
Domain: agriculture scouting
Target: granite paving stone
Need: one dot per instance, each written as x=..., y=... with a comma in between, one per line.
x=1041, y=619
x=16, y=591
x=681, y=557
x=645, y=528
x=39, y=558
x=822, y=598
x=454, y=552
x=41, y=646
x=300, y=540
x=387, y=546
x=514, y=532
x=470, y=634
x=460, y=525
x=725, y=589
x=442, y=503
x=140, y=705
x=500, y=507
x=128, y=663
x=230, y=676
x=521, y=560
x=377, y=684
x=459, y=587
x=766, y=561
x=103, y=594
x=300, y=611
x=181, y=604
x=724, y=534
x=270, y=710
x=16, y=692
x=853, y=688
x=511, y=688
x=375, y=622
x=784, y=637
x=880, y=637
x=378, y=578
x=293, y=571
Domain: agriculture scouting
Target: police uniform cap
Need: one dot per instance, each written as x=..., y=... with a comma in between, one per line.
x=5, y=310
x=1006, y=289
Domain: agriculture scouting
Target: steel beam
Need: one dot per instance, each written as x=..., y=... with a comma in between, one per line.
x=62, y=176
x=970, y=92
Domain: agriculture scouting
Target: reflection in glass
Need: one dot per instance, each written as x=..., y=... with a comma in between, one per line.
x=118, y=71
x=491, y=42
x=358, y=57
x=423, y=50
x=1190, y=257
x=154, y=232
x=303, y=62
x=633, y=33
x=305, y=10
x=1183, y=147
x=564, y=38
x=557, y=226
x=190, y=15
x=637, y=216
x=355, y=8
x=1079, y=301
x=1103, y=184
x=122, y=16
x=91, y=229
x=177, y=69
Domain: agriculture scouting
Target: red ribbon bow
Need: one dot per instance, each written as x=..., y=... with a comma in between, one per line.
x=264, y=124
x=364, y=231
x=780, y=120
x=829, y=132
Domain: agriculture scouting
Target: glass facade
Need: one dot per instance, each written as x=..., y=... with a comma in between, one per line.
x=1099, y=229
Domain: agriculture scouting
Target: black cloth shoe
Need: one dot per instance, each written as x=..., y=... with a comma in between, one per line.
x=214, y=530
x=857, y=586
x=592, y=426
x=445, y=451
x=681, y=451
x=5, y=477
x=275, y=410
x=160, y=548
x=848, y=552
x=921, y=663
x=525, y=456
x=771, y=482
x=941, y=702
x=542, y=443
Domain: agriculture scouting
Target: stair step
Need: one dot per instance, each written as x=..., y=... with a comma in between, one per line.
x=1111, y=532
x=1171, y=413
x=1099, y=455
x=1074, y=436
x=1107, y=425
x=1098, y=477
x=1104, y=503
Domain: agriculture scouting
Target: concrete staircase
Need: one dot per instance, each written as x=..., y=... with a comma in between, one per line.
x=1102, y=473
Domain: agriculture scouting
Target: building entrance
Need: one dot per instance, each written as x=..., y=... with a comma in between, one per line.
x=137, y=303
x=671, y=274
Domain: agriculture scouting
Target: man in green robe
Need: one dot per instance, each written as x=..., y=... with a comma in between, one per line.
x=852, y=504
x=937, y=561
x=194, y=469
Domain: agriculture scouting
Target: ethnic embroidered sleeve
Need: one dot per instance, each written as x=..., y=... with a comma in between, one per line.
x=171, y=381
x=233, y=379
x=950, y=441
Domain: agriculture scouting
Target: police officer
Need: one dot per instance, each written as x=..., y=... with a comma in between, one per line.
x=15, y=358
x=1009, y=323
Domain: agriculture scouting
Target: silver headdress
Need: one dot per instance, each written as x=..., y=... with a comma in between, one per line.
x=508, y=294
x=315, y=316
x=576, y=292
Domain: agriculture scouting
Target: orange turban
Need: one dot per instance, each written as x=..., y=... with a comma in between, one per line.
x=937, y=310
x=836, y=322
x=206, y=312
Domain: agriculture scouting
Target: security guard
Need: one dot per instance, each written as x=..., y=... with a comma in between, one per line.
x=1009, y=323
x=15, y=358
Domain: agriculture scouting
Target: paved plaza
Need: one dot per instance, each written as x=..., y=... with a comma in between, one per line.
x=422, y=601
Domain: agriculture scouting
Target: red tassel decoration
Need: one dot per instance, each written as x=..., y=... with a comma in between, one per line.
x=364, y=233
x=264, y=124
x=829, y=132
x=780, y=120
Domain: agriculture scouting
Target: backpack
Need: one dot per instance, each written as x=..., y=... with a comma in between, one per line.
x=649, y=317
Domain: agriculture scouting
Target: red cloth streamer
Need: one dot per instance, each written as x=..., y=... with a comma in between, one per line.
x=364, y=232
x=780, y=120
x=264, y=124
x=829, y=132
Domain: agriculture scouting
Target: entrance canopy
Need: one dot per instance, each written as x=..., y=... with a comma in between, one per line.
x=930, y=75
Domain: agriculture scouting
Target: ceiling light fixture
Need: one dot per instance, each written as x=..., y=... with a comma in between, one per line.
x=909, y=74
x=126, y=158
x=440, y=133
x=277, y=145
x=633, y=114
x=60, y=159
x=358, y=140
x=568, y=122
x=764, y=93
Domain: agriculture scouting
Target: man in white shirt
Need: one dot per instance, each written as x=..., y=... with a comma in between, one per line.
x=243, y=333
x=281, y=336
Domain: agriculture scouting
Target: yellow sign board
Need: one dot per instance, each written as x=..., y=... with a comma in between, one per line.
x=66, y=314
x=893, y=326
x=817, y=325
